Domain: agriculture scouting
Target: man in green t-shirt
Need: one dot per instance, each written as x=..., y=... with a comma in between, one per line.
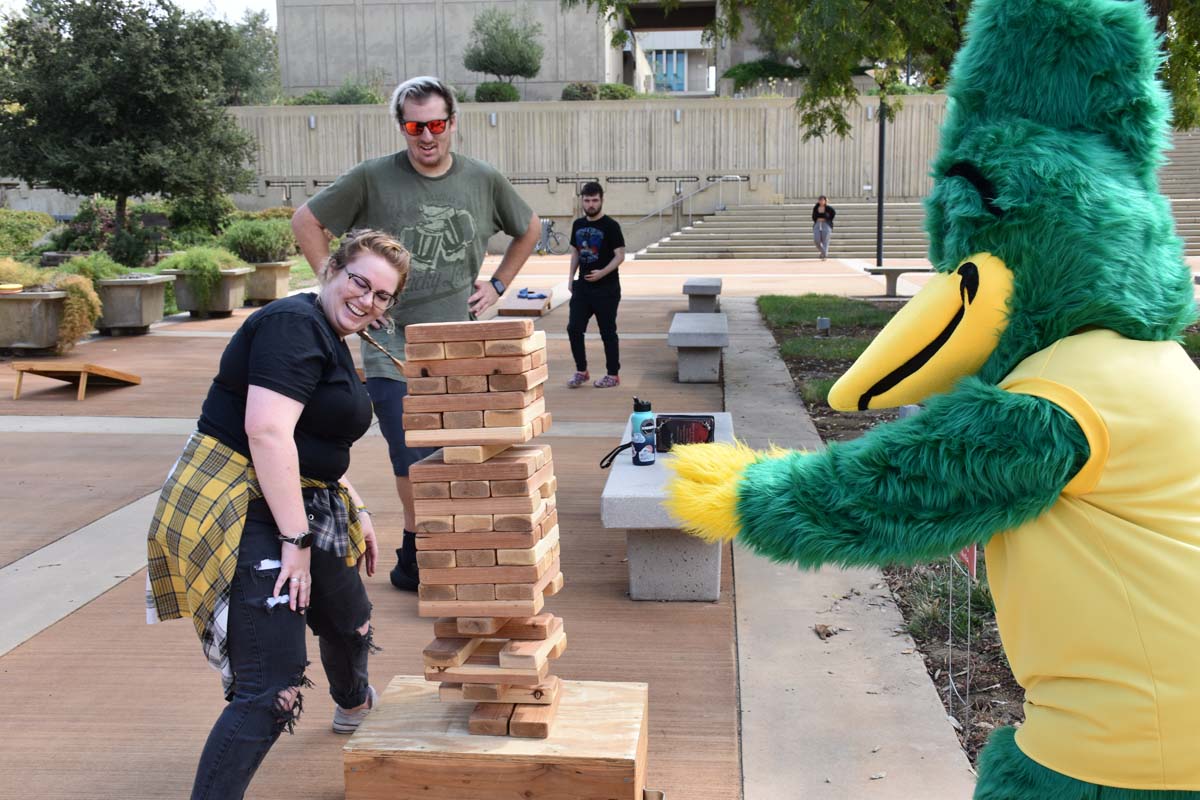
x=444, y=207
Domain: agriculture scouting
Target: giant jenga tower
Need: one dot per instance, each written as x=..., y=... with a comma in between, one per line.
x=487, y=529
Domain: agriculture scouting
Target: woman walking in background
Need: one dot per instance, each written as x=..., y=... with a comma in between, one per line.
x=822, y=215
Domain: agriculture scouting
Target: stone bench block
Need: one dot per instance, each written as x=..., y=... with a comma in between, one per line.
x=703, y=295
x=698, y=364
x=700, y=338
x=669, y=564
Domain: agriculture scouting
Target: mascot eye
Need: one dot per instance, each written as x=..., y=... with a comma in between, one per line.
x=971, y=174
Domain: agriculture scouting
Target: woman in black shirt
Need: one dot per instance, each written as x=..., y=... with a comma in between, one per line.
x=822, y=216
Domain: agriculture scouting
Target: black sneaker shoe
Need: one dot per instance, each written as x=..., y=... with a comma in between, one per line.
x=406, y=575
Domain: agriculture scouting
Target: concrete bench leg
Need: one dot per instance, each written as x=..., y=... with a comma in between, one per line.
x=702, y=303
x=666, y=564
x=699, y=364
x=892, y=279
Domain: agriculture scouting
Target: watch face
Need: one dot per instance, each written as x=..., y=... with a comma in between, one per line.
x=498, y=285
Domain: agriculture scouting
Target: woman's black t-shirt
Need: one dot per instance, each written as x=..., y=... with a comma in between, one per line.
x=290, y=348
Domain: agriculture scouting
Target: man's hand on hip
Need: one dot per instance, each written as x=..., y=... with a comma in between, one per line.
x=484, y=298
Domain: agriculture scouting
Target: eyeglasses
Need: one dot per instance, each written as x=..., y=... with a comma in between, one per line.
x=382, y=300
x=436, y=126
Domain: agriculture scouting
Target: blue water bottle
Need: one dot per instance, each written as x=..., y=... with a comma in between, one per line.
x=641, y=429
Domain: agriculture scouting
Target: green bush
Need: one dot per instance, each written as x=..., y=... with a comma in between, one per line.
x=580, y=91
x=129, y=247
x=316, y=97
x=94, y=267
x=274, y=212
x=90, y=228
x=616, y=91
x=15, y=272
x=202, y=269
x=20, y=229
x=496, y=92
x=208, y=213
x=352, y=93
x=260, y=241
x=460, y=94
x=748, y=73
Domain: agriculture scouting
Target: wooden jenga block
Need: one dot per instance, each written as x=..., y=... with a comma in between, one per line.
x=532, y=555
x=434, y=490
x=501, y=365
x=520, y=522
x=436, y=592
x=473, y=523
x=513, y=417
x=521, y=382
x=515, y=347
x=468, y=331
x=422, y=422
x=532, y=721
x=529, y=654
x=471, y=454
x=522, y=487
x=460, y=575
x=464, y=349
x=476, y=591
x=480, y=608
x=478, y=540
x=530, y=591
x=476, y=626
x=425, y=351
x=536, y=627
x=484, y=692
x=437, y=559
x=449, y=652
x=483, y=666
x=541, y=424
x=558, y=649
x=518, y=462
x=491, y=719
x=537, y=358
x=426, y=386
x=462, y=419
x=550, y=521
x=466, y=384
x=476, y=558
x=548, y=488
x=541, y=694
x=474, y=401
x=460, y=437
x=554, y=587
x=469, y=489
x=483, y=505
x=434, y=524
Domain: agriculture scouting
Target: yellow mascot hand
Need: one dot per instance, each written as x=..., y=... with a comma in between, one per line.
x=702, y=494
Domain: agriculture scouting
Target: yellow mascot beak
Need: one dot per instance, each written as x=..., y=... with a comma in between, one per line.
x=946, y=332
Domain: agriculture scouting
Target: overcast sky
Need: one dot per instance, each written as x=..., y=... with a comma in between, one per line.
x=231, y=10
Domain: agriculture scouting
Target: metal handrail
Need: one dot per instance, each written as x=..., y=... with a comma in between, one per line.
x=679, y=198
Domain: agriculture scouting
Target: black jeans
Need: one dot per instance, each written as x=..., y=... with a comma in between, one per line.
x=267, y=652
x=599, y=301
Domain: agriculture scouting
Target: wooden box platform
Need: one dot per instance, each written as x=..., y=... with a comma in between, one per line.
x=415, y=746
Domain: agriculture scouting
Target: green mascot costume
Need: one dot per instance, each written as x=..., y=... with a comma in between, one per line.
x=1062, y=421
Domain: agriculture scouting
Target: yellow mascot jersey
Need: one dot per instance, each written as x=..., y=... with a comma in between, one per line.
x=1098, y=599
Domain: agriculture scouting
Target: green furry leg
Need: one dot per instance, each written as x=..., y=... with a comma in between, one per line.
x=1005, y=773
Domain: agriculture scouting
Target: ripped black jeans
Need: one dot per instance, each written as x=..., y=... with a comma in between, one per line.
x=267, y=651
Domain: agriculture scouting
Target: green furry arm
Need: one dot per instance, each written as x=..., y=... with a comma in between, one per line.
x=976, y=462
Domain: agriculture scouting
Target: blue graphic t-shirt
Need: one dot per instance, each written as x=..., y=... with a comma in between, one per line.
x=596, y=241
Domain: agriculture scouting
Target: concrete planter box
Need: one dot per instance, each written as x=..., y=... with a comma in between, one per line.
x=131, y=304
x=29, y=320
x=268, y=282
x=52, y=258
x=229, y=294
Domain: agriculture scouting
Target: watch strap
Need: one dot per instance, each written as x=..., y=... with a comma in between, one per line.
x=498, y=285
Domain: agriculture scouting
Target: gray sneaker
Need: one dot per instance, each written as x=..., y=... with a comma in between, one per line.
x=347, y=722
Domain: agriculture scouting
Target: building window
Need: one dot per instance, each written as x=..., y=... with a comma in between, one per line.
x=670, y=70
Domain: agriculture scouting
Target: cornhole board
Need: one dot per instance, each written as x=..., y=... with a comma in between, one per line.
x=75, y=372
x=414, y=745
x=514, y=306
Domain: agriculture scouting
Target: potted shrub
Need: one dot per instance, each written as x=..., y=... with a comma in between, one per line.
x=131, y=301
x=266, y=245
x=52, y=309
x=209, y=281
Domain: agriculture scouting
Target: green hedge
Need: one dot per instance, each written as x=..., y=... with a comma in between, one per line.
x=617, y=91
x=496, y=92
x=20, y=229
x=260, y=241
x=580, y=90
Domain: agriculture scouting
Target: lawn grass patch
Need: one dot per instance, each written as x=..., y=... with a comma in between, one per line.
x=847, y=347
x=814, y=390
x=802, y=311
x=301, y=275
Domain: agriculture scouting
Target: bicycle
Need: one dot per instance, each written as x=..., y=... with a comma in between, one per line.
x=551, y=241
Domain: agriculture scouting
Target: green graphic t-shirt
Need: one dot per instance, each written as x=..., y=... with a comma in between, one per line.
x=445, y=222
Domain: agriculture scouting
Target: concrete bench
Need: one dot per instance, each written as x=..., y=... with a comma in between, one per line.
x=703, y=294
x=700, y=338
x=664, y=562
x=892, y=275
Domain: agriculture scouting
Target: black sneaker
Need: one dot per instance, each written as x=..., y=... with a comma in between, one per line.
x=405, y=575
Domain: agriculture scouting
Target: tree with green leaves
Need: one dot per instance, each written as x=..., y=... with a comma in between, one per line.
x=834, y=39
x=505, y=44
x=250, y=61
x=119, y=98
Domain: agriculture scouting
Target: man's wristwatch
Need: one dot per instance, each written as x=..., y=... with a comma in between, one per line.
x=301, y=540
x=498, y=285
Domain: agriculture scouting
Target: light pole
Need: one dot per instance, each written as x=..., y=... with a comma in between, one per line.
x=879, y=210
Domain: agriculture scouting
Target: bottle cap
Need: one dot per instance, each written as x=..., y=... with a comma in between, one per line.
x=640, y=405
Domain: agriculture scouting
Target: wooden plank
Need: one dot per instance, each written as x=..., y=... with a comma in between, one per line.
x=520, y=522
x=554, y=587
x=464, y=349
x=425, y=592
x=449, y=652
x=414, y=745
x=466, y=384
x=460, y=437
x=434, y=490
x=548, y=488
x=537, y=358
x=484, y=608
x=515, y=463
x=559, y=649
x=522, y=382
x=477, y=626
x=426, y=385
x=476, y=591
x=515, y=347
x=476, y=558
x=421, y=422
x=525, y=487
x=484, y=692
x=468, y=331
x=541, y=694
x=474, y=672
x=513, y=417
x=483, y=401
x=516, y=540
x=530, y=654
x=467, y=489
x=490, y=719
x=483, y=505
x=541, y=424
x=536, y=627
x=439, y=559
x=424, y=351
x=533, y=721
x=461, y=575
x=434, y=524
x=458, y=367
x=531, y=555
x=473, y=523
x=530, y=591
x=472, y=454
x=462, y=419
